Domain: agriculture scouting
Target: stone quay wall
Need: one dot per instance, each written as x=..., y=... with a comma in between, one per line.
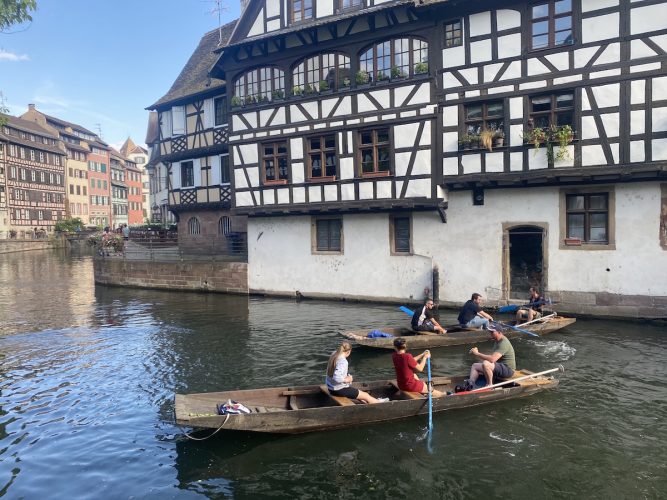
x=11, y=246
x=185, y=275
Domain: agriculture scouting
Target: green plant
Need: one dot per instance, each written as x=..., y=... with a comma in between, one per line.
x=236, y=101
x=563, y=135
x=397, y=72
x=346, y=82
x=297, y=90
x=535, y=136
x=381, y=76
x=70, y=225
x=309, y=89
x=469, y=140
x=362, y=77
x=421, y=68
x=324, y=85
x=278, y=94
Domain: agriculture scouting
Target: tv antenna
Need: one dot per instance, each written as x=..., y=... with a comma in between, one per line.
x=218, y=9
x=98, y=128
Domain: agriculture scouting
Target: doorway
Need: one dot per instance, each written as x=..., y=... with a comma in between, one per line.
x=525, y=263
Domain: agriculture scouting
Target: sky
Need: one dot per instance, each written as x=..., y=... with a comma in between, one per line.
x=100, y=63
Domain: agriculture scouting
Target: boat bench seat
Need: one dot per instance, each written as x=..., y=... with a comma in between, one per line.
x=406, y=394
x=340, y=400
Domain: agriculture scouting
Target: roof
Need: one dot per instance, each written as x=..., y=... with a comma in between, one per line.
x=32, y=128
x=194, y=77
x=129, y=147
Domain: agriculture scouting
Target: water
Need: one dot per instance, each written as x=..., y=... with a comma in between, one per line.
x=87, y=377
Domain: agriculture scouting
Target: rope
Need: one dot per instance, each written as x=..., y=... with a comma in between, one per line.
x=210, y=435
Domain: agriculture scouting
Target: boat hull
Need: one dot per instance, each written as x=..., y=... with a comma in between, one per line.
x=453, y=337
x=285, y=410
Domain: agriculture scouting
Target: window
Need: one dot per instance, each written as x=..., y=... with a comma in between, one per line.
x=301, y=10
x=328, y=235
x=350, y=4
x=41, y=157
x=322, y=160
x=224, y=169
x=588, y=217
x=399, y=58
x=322, y=72
x=71, y=189
x=374, y=152
x=274, y=160
x=32, y=154
x=399, y=230
x=453, y=34
x=224, y=225
x=194, y=226
x=33, y=175
x=187, y=174
x=178, y=120
x=551, y=24
x=220, y=107
x=484, y=116
x=557, y=109
x=259, y=85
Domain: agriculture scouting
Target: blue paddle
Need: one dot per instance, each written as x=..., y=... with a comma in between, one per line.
x=514, y=308
x=498, y=323
x=430, y=404
x=406, y=310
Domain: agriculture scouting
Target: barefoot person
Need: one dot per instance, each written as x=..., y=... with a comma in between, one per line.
x=338, y=379
x=406, y=365
x=499, y=364
x=423, y=319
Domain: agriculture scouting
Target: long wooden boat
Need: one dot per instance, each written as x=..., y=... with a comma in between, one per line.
x=455, y=335
x=294, y=410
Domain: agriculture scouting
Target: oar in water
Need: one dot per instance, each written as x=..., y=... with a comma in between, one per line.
x=537, y=319
x=514, y=308
x=511, y=381
x=527, y=332
x=430, y=404
x=407, y=311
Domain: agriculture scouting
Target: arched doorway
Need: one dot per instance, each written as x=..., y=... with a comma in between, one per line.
x=525, y=262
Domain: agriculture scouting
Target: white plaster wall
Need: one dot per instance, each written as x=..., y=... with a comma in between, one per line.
x=280, y=260
x=467, y=250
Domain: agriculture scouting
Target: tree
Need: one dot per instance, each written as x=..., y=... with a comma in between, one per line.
x=15, y=12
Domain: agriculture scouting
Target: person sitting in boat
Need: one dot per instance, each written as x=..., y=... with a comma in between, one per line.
x=338, y=379
x=405, y=365
x=423, y=319
x=533, y=310
x=471, y=314
x=500, y=364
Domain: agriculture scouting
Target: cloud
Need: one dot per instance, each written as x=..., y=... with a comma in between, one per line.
x=10, y=56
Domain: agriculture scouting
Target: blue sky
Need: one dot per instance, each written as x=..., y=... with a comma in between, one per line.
x=102, y=62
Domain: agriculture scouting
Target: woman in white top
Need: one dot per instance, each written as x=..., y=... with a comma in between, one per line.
x=338, y=380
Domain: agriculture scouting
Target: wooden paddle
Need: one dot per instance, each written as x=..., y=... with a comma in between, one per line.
x=527, y=332
x=511, y=381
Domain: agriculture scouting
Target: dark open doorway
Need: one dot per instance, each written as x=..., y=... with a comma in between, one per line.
x=526, y=260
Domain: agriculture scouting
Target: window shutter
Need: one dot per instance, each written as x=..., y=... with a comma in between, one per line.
x=178, y=120
x=166, y=124
x=209, y=113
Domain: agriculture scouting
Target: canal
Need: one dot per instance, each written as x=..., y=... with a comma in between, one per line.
x=88, y=374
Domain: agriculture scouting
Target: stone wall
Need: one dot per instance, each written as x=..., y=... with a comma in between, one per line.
x=11, y=246
x=202, y=276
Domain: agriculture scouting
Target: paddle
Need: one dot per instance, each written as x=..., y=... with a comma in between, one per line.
x=514, y=308
x=407, y=311
x=511, y=381
x=498, y=323
x=430, y=404
x=538, y=319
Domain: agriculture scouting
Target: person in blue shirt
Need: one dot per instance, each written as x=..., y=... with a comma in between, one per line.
x=472, y=315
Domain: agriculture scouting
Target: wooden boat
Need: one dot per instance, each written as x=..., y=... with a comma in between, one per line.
x=294, y=410
x=455, y=335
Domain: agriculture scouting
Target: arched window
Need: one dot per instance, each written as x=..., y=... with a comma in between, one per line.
x=322, y=72
x=259, y=85
x=224, y=225
x=398, y=58
x=193, y=226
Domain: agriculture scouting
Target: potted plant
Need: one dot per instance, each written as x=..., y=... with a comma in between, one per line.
x=421, y=68
x=396, y=72
x=486, y=138
x=249, y=100
x=535, y=136
x=277, y=94
x=499, y=138
x=363, y=77
x=464, y=142
x=309, y=89
x=346, y=82
x=236, y=101
x=563, y=135
x=381, y=76
x=324, y=86
x=297, y=90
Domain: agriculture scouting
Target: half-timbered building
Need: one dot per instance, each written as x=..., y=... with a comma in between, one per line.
x=503, y=144
x=191, y=150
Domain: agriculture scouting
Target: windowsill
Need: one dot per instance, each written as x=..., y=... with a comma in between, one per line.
x=570, y=244
x=484, y=150
x=552, y=48
x=376, y=174
x=275, y=183
x=328, y=178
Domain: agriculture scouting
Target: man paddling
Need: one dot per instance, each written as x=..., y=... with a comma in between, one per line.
x=472, y=315
x=501, y=363
x=423, y=319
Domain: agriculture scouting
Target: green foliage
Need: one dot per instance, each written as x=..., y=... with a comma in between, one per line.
x=70, y=225
x=15, y=12
x=362, y=77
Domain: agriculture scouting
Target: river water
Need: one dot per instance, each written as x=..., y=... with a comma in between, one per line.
x=88, y=374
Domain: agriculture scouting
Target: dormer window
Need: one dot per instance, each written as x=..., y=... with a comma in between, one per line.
x=392, y=59
x=321, y=73
x=259, y=85
x=350, y=4
x=301, y=10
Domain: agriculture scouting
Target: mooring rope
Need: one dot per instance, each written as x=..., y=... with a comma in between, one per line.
x=210, y=435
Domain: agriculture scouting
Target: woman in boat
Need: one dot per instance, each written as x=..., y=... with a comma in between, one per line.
x=405, y=365
x=338, y=379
